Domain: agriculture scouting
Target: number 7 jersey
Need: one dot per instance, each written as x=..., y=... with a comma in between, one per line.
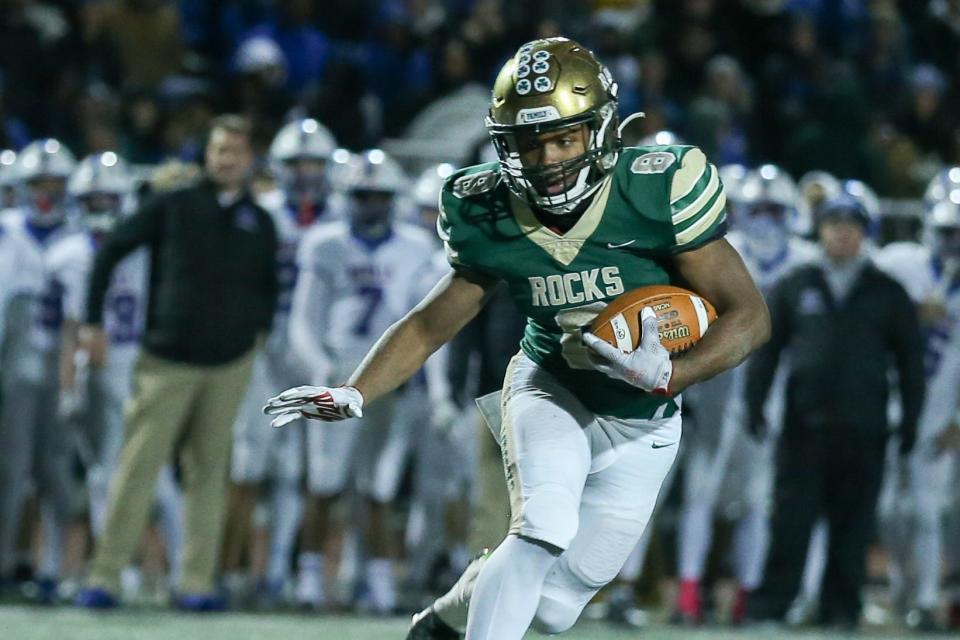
x=358, y=289
x=657, y=202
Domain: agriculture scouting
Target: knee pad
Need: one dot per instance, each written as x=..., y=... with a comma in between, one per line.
x=606, y=546
x=554, y=616
x=551, y=515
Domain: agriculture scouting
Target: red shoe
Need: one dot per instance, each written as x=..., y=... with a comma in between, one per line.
x=689, y=607
x=739, y=610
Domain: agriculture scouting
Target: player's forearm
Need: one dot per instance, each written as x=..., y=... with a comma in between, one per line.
x=733, y=337
x=406, y=345
x=399, y=354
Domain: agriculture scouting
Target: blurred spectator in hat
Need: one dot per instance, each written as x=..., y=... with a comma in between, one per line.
x=926, y=117
x=719, y=117
x=141, y=127
x=259, y=82
x=306, y=48
x=884, y=60
x=189, y=104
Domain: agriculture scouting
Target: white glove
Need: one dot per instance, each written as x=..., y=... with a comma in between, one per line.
x=329, y=404
x=648, y=367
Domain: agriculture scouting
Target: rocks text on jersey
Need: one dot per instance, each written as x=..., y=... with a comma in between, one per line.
x=577, y=287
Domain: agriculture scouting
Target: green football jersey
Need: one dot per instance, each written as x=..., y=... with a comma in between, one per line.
x=657, y=202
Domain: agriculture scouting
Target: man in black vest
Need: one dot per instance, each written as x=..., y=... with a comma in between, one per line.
x=841, y=323
x=212, y=294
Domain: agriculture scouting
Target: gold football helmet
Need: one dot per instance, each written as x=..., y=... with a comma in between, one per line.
x=548, y=85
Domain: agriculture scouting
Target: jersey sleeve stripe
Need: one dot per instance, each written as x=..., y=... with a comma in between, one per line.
x=443, y=230
x=690, y=174
x=706, y=222
x=700, y=203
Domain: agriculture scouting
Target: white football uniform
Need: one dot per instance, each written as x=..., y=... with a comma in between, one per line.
x=21, y=282
x=109, y=387
x=931, y=482
x=21, y=273
x=34, y=443
x=259, y=451
x=724, y=466
x=347, y=295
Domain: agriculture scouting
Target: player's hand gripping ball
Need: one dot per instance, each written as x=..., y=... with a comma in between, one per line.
x=682, y=318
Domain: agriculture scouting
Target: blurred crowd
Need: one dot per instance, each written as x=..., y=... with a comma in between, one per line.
x=751, y=81
x=106, y=106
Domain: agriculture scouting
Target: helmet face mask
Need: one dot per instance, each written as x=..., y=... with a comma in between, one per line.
x=766, y=229
x=551, y=87
x=371, y=182
x=371, y=212
x=304, y=180
x=46, y=193
x=101, y=210
x=941, y=230
x=946, y=243
x=99, y=186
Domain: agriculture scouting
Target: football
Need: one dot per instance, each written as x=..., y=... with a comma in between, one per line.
x=682, y=318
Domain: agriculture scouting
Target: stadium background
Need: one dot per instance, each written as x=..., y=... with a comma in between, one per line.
x=863, y=89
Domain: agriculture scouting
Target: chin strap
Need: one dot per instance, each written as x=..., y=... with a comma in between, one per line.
x=630, y=118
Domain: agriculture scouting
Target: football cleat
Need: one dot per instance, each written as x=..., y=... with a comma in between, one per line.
x=427, y=625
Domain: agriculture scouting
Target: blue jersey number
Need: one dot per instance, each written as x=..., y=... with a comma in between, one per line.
x=51, y=307
x=937, y=338
x=123, y=312
x=287, y=272
x=372, y=296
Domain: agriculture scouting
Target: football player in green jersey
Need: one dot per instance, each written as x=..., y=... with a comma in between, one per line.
x=569, y=219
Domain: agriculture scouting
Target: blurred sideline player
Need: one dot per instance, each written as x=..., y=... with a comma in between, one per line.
x=354, y=282
x=8, y=179
x=727, y=471
x=94, y=397
x=21, y=284
x=300, y=157
x=34, y=443
x=585, y=443
x=930, y=272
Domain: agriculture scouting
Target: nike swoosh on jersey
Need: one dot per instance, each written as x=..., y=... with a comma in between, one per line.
x=661, y=445
x=611, y=245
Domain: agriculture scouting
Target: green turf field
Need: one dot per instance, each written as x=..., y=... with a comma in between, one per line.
x=31, y=623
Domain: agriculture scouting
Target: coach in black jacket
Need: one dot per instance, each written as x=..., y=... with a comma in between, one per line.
x=213, y=291
x=841, y=323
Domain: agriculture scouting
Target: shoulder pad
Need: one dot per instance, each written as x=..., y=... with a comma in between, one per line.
x=473, y=184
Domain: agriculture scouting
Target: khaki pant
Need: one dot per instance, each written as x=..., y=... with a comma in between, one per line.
x=190, y=408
